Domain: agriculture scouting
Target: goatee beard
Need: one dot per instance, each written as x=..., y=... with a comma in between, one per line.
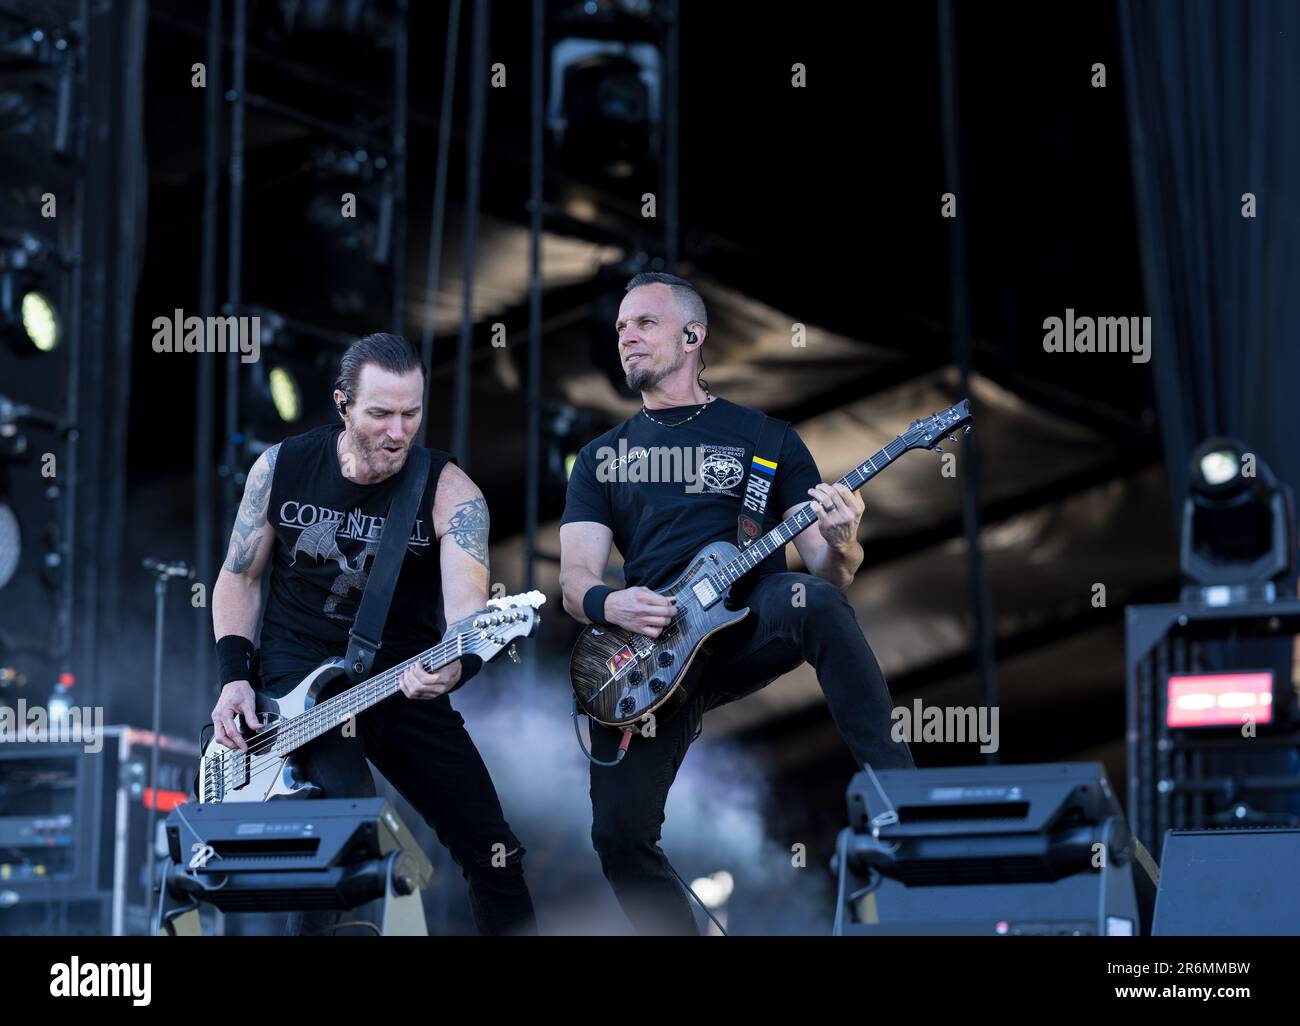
x=641, y=378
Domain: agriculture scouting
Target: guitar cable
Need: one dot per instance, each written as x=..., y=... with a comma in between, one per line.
x=622, y=745
x=622, y=751
x=707, y=912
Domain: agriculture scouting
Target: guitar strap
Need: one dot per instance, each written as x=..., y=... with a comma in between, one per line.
x=759, y=479
x=368, y=628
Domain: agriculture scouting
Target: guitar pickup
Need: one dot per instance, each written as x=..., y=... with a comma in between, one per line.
x=705, y=592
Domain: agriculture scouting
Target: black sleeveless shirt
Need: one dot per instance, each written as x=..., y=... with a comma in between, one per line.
x=327, y=531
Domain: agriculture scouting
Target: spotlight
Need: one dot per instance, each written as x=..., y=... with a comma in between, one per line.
x=272, y=386
x=1219, y=467
x=605, y=79
x=564, y=427
x=1238, y=536
x=285, y=394
x=28, y=318
x=40, y=322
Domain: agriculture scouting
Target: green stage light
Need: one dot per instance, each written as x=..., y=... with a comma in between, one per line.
x=40, y=321
x=285, y=395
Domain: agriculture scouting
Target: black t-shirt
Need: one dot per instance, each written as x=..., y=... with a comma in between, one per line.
x=327, y=532
x=660, y=523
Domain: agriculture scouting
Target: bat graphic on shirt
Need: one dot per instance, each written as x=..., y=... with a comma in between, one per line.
x=320, y=541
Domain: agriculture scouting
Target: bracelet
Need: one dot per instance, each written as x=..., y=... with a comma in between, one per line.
x=593, y=603
x=234, y=658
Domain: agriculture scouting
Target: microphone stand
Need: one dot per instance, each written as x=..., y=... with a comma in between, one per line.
x=162, y=572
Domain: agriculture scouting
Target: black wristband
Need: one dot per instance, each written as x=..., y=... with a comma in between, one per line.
x=234, y=659
x=593, y=603
x=470, y=664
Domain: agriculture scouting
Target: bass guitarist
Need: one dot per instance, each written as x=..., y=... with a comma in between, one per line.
x=658, y=527
x=314, y=507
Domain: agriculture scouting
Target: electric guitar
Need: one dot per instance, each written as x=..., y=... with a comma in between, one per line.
x=619, y=677
x=269, y=769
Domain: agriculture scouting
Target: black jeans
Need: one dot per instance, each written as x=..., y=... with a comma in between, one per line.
x=422, y=748
x=793, y=618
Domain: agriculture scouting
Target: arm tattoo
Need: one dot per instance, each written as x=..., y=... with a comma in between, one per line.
x=469, y=528
x=251, y=516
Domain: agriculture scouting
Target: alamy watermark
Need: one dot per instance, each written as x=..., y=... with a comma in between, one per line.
x=181, y=334
x=36, y=723
x=76, y=979
x=638, y=464
x=1098, y=335
x=950, y=723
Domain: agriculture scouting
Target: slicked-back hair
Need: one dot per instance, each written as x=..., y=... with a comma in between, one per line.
x=387, y=351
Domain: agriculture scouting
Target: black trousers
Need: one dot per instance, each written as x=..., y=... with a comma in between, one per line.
x=794, y=618
x=422, y=748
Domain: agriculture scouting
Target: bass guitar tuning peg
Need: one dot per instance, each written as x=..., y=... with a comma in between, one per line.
x=952, y=438
x=968, y=429
x=938, y=448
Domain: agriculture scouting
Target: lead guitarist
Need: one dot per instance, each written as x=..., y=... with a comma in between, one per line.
x=658, y=527
x=313, y=506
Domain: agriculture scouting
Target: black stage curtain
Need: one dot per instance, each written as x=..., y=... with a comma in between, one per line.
x=1213, y=98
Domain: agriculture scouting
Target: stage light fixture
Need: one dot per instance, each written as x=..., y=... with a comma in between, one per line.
x=1219, y=699
x=40, y=321
x=285, y=394
x=28, y=317
x=1219, y=466
x=564, y=428
x=1238, y=535
x=605, y=71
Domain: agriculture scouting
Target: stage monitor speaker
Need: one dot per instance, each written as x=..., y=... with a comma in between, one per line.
x=1229, y=883
x=292, y=855
x=992, y=850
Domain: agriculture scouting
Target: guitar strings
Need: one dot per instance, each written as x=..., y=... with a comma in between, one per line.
x=436, y=657
x=274, y=766
x=377, y=683
x=746, y=561
x=749, y=558
x=337, y=703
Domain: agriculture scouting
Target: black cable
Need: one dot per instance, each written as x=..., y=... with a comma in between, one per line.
x=176, y=913
x=875, y=879
x=591, y=758
x=697, y=898
x=614, y=762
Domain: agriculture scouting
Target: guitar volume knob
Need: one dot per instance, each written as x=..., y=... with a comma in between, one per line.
x=665, y=657
x=635, y=677
x=627, y=706
x=656, y=685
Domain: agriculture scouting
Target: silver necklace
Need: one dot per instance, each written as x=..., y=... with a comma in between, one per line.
x=707, y=403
